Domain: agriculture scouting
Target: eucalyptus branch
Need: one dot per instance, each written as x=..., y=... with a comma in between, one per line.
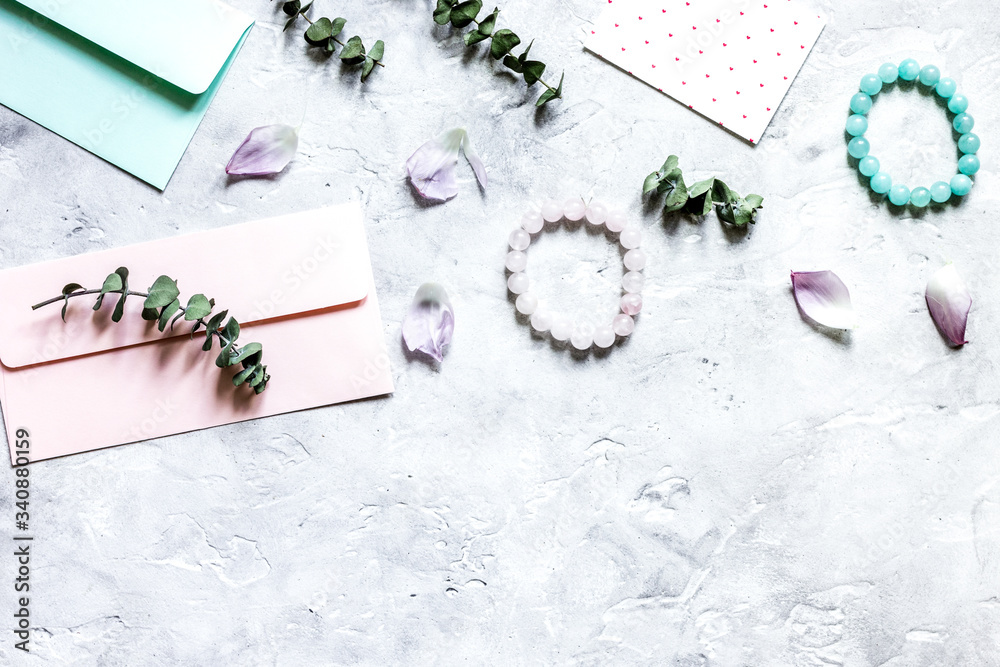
x=161, y=304
x=322, y=33
x=502, y=42
x=702, y=196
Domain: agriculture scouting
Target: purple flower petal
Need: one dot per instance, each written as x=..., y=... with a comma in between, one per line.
x=266, y=150
x=432, y=166
x=824, y=298
x=430, y=322
x=949, y=301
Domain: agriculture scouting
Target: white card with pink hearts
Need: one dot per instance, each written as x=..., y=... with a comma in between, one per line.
x=732, y=61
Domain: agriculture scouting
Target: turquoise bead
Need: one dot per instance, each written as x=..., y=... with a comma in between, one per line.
x=946, y=87
x=861, y=103
x=909, y=69
x=869, y=166
x=958, y=103
x=968, y=143
x=963, y=123
x=881, y=182
x=857, y=125
x=961, y=185
x=888, y=73
x=920, y=197
x=940, y=192
x=899, y=195
x=929, y=75
x=871, y=84
x=858, y=147
x=968, y=164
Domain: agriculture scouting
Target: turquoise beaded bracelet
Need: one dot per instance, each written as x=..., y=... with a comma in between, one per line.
x=968, y=143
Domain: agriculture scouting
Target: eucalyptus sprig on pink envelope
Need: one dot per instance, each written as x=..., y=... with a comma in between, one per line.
x=162, y=303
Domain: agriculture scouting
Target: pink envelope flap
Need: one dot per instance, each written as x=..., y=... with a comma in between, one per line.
x=259, y=271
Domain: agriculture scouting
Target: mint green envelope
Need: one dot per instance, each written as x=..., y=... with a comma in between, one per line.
x=128, y=80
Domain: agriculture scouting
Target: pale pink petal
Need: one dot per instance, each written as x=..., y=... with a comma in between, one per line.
x=429, y=324
x=431, y=168
x=824, y=298
x=266, y=150
x=949, y=301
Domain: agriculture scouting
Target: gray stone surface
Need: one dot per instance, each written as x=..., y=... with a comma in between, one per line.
x=729, y=487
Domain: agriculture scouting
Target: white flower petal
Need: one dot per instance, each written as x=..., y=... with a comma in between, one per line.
x=429, y=324
x=266, y=150
x=949, y=302
x=824, y=298
x=473, y=157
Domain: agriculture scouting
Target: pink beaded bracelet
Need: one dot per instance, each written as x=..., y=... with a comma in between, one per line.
x=581, y=335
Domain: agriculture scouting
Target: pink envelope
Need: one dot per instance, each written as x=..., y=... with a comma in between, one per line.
x=299, y=284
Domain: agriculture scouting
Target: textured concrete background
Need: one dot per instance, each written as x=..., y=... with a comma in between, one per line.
x=729, y=487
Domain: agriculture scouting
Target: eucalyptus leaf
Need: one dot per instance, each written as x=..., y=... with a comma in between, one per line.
x=112, y=283
x=222, y=361
x=289, y=23
x=246, y=351
x=367, y=68
x=700, y=197
x=318, y=34
x=533, y=71
x=474, y=37
x=512, y=63
x=551, y=94
x=677, y=193
x=215, y=322
x=150, y=314
x=722, y=194
x=442, y=14
x=232, y=329
x=337, y=26
x=243, y=375
x=487, y=25
x=66, y=291
x=163, y=291
x=652, y=182
x=291, y=8
x=353, y=50
x=168, y=312
x=198, y=307
x=378, y=50
x=465, y=13
x=503, y=43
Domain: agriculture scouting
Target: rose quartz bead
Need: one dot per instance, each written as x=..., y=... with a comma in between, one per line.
x=526, y=303
x=630, y=237
x=532, y=222
x=574, y=209
x=552, y=211
x=583, y=336
x=597, y=213
x=623, y=324
x=519, y=240
x=517, y=283
x=604, y=336
x=541, y=321
x=562, y=328
x=631, y=304
x=616, y=221
x=635, y=260
x=633, y=281
x=516, y=261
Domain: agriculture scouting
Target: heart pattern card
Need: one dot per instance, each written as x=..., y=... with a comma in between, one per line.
x=730, y=60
